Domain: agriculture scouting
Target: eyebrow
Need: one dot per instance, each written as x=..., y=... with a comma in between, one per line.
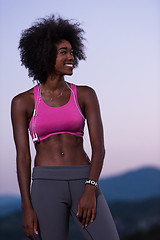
x=65, y=48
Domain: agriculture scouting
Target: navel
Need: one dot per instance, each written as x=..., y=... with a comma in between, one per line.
x=62, y=154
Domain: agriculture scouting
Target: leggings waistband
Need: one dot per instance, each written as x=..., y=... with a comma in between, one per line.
x=61, y=172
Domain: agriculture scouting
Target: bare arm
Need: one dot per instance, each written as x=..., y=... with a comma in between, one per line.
x=95, y=128
x=23, y=160
x=87, y=202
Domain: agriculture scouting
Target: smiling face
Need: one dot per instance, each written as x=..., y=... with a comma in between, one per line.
x=65, y=59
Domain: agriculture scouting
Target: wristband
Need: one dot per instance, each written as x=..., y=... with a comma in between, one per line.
x=92, y=182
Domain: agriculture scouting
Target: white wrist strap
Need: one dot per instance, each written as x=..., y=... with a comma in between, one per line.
x=92, y=182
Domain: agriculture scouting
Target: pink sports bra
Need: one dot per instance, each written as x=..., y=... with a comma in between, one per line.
x=47, y=121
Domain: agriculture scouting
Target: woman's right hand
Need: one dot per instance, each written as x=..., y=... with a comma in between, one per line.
x=30, y=223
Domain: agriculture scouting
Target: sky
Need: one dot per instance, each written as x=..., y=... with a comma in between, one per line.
x=123, y=56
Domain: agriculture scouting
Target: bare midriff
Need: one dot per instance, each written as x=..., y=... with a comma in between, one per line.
x=61, y=150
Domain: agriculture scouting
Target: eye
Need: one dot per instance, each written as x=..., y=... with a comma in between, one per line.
x=72, y=53
x=63, y=52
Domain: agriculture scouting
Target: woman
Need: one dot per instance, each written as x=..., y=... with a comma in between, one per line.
x=65, y=180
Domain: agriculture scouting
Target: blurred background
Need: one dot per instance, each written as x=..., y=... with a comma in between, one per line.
x=123, y=55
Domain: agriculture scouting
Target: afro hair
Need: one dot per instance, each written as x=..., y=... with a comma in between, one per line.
x=37, y=45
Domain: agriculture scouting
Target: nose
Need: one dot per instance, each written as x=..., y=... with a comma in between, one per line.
x=70, y=56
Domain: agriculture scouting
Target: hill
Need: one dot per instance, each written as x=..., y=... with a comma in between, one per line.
x=9, y=204
x=132, y=186
x=137, y=215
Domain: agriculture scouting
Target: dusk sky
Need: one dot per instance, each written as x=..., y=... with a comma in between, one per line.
x=123, y=56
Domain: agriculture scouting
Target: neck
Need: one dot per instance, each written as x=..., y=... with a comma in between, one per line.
x=54, y=82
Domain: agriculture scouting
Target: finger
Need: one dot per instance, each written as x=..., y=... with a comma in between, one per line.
x=28, y=232
x=88, y=217
x=35, y=225
x=84, y=217
x=30, y=235
x=79, y=212
x=93, y=214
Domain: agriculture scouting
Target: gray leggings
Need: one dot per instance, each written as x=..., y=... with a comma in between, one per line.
x=55, y=193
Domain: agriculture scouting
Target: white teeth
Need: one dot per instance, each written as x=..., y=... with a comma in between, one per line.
x=69, y=65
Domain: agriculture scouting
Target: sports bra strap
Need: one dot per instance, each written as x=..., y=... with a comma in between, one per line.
x=36, y=94
x=73, y=89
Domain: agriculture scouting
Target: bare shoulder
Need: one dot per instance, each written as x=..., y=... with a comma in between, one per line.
x=85, y=90
x=23, y=100
x=88, y=99
x=86, y=93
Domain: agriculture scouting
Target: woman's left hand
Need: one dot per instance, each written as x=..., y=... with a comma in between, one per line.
x=87, y=205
